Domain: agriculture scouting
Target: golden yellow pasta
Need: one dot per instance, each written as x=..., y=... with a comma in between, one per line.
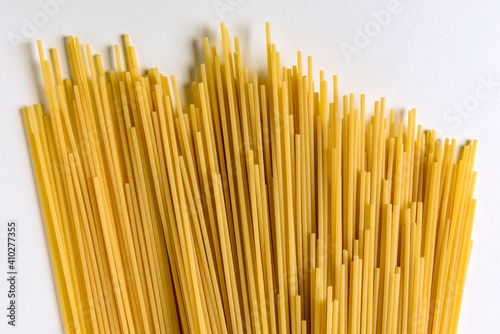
x=258, y=207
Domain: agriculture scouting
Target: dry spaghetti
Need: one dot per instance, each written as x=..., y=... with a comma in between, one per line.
x=260, y=207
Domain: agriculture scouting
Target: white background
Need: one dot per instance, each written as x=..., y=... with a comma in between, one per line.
x=432, y=55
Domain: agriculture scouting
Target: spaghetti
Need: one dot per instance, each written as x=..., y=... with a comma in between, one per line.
x=257, y=208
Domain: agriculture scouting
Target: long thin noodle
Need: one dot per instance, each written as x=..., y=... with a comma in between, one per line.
x=261, y=206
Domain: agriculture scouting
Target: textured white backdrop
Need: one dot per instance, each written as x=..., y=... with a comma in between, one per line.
x=441, y=57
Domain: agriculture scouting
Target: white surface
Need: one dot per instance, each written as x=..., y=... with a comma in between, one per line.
x=432, y=55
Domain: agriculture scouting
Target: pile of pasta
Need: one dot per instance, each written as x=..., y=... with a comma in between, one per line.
x=258, y=207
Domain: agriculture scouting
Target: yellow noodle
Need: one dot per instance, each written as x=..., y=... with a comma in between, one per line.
x=258, y=207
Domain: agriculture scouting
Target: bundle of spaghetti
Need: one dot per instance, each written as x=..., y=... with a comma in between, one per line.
x=259, y=207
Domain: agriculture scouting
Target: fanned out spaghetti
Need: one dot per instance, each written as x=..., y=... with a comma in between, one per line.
x=260, y=207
